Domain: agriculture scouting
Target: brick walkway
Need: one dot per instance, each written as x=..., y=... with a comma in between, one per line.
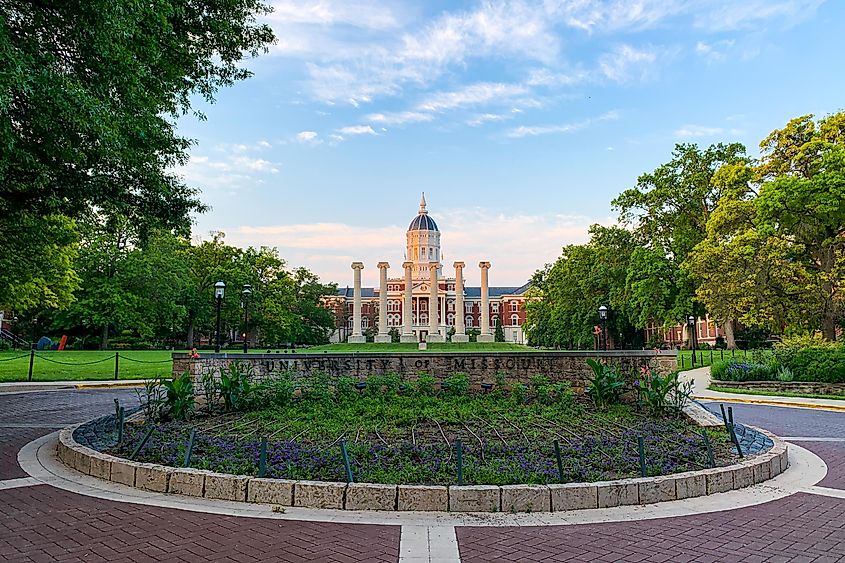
x=833, y=454
x=798, y=528
x=42, y=523
x=788, y=422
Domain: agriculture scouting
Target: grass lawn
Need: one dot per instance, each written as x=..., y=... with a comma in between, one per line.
x=84, y=365
x=707, y=357
x=770, y=394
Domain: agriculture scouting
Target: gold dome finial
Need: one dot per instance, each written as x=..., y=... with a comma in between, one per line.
x=423, y=210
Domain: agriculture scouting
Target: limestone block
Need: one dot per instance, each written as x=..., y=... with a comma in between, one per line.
x=81, y=460
x=689, y=485
x=784, y=459
x=618, y=493
x=226, y=487
x=319, y=494
x=270, y=491
x=526, y=498
x=762, y=468
x=123, y=472
x=186, y=481
x=370, y=496
x=719, y=480
x=100, y=466
x=152, y=477
x=474, y=498
x=656, y=489
x=573, y=496
x=423, y=497
x=743, y=475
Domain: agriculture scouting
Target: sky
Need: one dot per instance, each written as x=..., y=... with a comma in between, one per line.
x=520, y=120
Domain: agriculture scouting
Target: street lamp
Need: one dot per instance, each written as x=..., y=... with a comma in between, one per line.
x=692, y=338
x=219, y=289
x=247, y=291
x=603, y=319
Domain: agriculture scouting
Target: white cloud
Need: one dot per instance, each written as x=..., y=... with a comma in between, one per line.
x=474, y=94
x=357, y=13
x=488, y=118
x=626, y=63
x=466, y=235
x=400, y=118
x=535, y=130
x=357, y=130
x=308, y=137
x=694, y=131
x=715, y=51
x=727, y=15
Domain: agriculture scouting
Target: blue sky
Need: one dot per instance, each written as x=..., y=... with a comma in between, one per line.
x=520, y=120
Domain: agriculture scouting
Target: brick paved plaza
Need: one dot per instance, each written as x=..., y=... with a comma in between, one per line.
x=44, y=523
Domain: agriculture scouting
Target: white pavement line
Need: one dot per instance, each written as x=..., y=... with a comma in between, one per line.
x=17, y=483
x=49, y=426
x=825, y=491
x=428, y=544
x=38, y=458
x=811, y=439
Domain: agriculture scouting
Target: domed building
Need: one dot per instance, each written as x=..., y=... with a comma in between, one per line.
x=424, y=305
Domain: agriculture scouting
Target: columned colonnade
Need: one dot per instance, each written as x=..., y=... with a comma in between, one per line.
x=434, y=334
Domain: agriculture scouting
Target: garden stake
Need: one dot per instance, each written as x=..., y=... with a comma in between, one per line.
x=709, y=450
x=120, y=418
x=143, y=442
x=559, y=461
x=711, y=356
x=116, y=410
x=346, y=461
x=262, y=458
x=736, y=442
x=731, y=415
x=641, y=448
x=460, y=453
x=31, y=361
x=722, y=354
x=190, y=450
x=116, y=364
x=724, y=416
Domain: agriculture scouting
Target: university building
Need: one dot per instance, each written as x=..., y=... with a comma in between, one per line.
x=425, y=304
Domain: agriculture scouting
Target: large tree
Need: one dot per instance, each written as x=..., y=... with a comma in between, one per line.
x=90, y=91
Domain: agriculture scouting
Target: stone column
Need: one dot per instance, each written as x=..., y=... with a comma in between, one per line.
x=382, y=336
x=356, y=337
x=485, y=335
x=460, y=330
x=408, y=306
x=434, y=306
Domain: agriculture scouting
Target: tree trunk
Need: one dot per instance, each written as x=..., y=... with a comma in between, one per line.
x=104, y=343
x=730, y=338
x=189, y=341
x=829, y=328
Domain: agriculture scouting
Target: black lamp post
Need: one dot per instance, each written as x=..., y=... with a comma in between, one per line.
x=15, y=332
x=692, y=337
x=219, y=289
x=603, y=319
x=247, y=291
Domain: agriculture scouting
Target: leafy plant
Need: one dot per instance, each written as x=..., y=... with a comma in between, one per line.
x=210, y=391
x=605, y=387
x=457, y=385
x=664, y=393
x=275, y=390
x=542, y=389
x=784, y=374
x=180, y=396
x=518, y=393
x=151, y=398
x=235, y=385
x=425, y=385
x=345, y=387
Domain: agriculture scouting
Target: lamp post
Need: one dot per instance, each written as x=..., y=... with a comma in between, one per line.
x=603, y=319
x=15, y=332
x=219, y=289
x=692, y=337
x=247, y=291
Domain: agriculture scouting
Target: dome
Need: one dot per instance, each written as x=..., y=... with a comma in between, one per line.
x=423, y=222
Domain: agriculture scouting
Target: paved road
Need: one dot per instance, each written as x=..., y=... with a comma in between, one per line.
x=41, y=523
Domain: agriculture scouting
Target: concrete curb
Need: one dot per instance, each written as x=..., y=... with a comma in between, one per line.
x=478, y=498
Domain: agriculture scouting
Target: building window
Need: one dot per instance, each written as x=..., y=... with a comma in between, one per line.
x=450, y=319
x=423, y=318
x=514, y=306
x=495, y=307
x=514, y=320
x=423, y=305
x=450, y=305
x=493, y=320
x=468, y=307
x=365, y=322
x=468, y=321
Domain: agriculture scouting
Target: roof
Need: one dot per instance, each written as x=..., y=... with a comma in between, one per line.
x=472, y=292
x=423, y=222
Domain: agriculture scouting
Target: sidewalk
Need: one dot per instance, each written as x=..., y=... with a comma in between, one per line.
x=701, y=382
x=24, y=386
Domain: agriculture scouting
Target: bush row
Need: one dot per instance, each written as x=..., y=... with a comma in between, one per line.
x=793, y=359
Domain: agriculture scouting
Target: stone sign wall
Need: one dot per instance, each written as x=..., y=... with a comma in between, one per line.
x=481, y=367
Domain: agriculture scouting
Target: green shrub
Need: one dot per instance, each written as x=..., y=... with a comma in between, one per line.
x=542, y=389
x=275, y=390
x=180, y=396
x=518, y=393
x=784, y=374
x=425, y=385
x=563, y=393
x=235, y=385
x=810, y=358
x=345, y=387
x=740, y=370
x=210, y=391
x=605, y=387
x=457, y=385
x=385, y=384
x=665, y=393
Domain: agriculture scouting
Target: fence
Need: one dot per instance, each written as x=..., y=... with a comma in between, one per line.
x=53, y=366
x=701, y=358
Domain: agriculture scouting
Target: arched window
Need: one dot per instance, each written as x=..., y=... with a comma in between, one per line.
x=495, y=307
x=423, y=318
x=493, y=320
x=468, y=321
x=450, y=305
x=515, y=320
x=450, y=319
x=365, y=322
x=514, y=306
x=349, y=323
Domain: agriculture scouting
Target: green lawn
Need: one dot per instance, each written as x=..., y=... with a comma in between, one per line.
x=84, y=365
x=707, y=357
x=773, y=394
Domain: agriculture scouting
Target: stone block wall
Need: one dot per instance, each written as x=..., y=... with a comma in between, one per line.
x=777, y=387
x=481, y=367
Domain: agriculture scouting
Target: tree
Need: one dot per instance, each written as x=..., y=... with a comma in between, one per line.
x=499, y=334
x=91, y=92
x=668, y=210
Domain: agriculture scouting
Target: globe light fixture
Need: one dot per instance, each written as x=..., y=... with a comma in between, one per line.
x=219, y=290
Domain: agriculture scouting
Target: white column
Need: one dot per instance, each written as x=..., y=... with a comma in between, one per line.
x=382, y=336
x=460, y=330
x=408, y=306
x=434, y=305
x=485, y=335
x=356, y=337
